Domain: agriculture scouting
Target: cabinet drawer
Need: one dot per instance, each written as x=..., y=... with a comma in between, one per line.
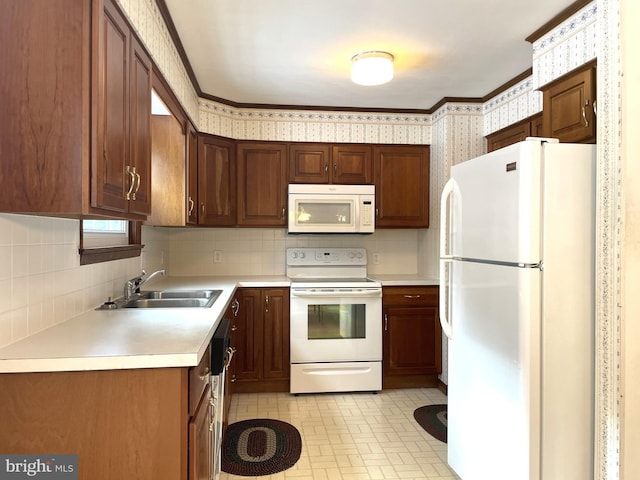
x=418, y=296
x=198, y=380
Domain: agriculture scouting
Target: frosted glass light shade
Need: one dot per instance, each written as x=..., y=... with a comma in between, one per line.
x=371, y=68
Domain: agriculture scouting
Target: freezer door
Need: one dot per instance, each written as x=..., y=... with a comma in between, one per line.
x=494, y=372
x=496, y=205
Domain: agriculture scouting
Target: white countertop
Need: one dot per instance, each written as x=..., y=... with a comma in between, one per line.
x=142, y=338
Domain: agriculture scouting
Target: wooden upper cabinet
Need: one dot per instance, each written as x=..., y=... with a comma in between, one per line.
x=529, y=127
x=191, y=200
x=309, y=163
x=401, y=175
x=568, y=111
x=79, y=109
x=351, y=164
x=329, y=163
x=122, y=157
x=140, y=126
x=46, y=105
x=262, y=184
x=216, y=181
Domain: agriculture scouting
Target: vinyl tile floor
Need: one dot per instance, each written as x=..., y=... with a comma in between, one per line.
x=359, y=436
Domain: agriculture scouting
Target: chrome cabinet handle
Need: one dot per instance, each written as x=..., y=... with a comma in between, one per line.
x=235, y=307
x=412, y=296
x=132, y=182
x=202, y=208
x=234, y=328
x=283, y=212
x=266, y=303
x=386, y=322
x=326, y=168
x=595, y=109
x=335, y=169
x=191, y=206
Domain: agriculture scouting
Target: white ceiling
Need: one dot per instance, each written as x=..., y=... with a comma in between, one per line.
x=298, y=52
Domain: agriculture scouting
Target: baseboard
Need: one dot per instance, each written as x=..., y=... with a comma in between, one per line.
x=442, y=387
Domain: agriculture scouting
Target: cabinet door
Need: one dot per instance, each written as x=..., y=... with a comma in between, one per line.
x=44, y=139
x=412, y=341
x=262, y=184
x=351, y=164
x=192, y=177
x=276, y=333
x=568, y=110
x=402, y=186
x=111, y=173
x=248, y=336
x=200, y=440
x=140, y=128
x=309, y=163
x=216, y=181
x=508, y=136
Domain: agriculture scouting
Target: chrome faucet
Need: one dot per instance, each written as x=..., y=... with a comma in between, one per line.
x=133, y=285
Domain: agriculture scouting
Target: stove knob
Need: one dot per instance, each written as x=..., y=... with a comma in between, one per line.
x=302, y=255
x=294, y=254
x=359, y=254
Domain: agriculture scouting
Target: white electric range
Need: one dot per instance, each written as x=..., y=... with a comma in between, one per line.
x=336, y=321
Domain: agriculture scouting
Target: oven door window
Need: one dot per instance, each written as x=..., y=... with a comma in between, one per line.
x=337, y=321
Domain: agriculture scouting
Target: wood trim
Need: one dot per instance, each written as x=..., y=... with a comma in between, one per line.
x=517, y=79
x=106, y=254
x=166, y=16
x=557, y=20
x=443, y=387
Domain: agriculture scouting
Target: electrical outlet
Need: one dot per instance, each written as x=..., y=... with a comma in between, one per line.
x=217, y=256
x=376, y=258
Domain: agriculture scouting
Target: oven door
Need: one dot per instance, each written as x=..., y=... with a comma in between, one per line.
x=336, y=325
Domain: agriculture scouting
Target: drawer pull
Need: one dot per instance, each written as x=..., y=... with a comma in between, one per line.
x=205, y=374
x=412, y=296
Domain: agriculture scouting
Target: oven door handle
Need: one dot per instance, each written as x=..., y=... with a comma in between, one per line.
x=374, y=292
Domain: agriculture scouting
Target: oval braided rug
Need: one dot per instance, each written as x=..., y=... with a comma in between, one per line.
x=261, y=446
x=433, y=418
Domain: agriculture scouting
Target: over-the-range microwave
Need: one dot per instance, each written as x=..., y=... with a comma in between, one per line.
x=331, y=208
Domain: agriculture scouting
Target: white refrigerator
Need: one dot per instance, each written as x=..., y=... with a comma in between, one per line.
x=517, y=306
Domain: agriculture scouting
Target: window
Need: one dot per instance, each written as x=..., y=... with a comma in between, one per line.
x=106, y=240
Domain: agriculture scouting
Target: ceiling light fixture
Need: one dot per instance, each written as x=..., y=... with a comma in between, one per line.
x=371, y=68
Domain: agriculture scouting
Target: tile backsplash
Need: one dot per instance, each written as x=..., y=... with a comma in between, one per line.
x=41, y=280
x=247, y=252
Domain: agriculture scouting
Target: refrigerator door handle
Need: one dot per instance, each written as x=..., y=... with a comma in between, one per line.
x=445, y=258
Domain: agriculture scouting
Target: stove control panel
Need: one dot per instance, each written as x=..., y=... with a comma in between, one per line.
x=326, y=256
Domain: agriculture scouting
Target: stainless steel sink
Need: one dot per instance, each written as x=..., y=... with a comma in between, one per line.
x=166, y=299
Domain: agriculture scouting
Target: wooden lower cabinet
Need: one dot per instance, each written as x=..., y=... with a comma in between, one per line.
x=135, y=423
x=261, y=339
x=412, y=337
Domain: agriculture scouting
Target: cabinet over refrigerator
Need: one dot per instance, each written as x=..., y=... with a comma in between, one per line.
x=517, y=296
